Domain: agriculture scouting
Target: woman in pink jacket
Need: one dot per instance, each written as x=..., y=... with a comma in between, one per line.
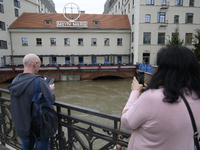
x=158, y=117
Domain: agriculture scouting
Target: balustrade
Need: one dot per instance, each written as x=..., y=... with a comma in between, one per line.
x=80, y=128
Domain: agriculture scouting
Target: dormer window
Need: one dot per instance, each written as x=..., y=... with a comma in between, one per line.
x=47, y=21
x=96, y=22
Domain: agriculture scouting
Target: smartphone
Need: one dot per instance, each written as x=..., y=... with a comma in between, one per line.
x=140, y=76
x=49, y=80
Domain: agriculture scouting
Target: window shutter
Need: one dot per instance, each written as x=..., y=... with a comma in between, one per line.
x=2, y=10
x=186, y=18
x=3, y=26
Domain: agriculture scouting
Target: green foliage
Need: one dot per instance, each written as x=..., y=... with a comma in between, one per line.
x=175, y=40
x=196, y=40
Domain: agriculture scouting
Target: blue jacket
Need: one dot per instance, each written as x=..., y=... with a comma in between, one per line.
x=22, y=91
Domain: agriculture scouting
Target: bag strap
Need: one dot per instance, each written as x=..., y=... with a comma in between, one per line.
x=193, y=122
x=37, y=85
x=118, y=132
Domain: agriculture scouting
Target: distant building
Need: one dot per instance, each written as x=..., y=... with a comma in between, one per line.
x=154, y=21
x=10, y=10
x=92, y=38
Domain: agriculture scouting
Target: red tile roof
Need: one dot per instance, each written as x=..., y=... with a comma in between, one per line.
x=37, y=20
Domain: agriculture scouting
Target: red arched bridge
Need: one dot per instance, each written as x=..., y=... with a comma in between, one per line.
x=64, y=73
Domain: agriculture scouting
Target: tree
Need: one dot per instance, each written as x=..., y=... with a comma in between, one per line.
x=175, y=39
x=196, y=40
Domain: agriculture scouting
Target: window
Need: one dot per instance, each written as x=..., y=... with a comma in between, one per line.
x=161, y=17
x=94, y=41
x=119, y=59
x=163, y=2
x=132, y=37
x=146, y=57
x=115, y=8
x=1, y=8
x=106, y=41
x=147, y=38
x=80, y=41
x=67, y=59
x=150, y=2
x=176, y=19
x=16, y=3
x=3, y=44
x=161, y=38
x=191, y=3
x=133, y=3
x=54, y=60
x=179, y=2
x=66, y=41
x=38, y=41
x=47, y=21
x=129, y=7
x=95, y=22
x=125, y=11
x=24, y=41
x=94, y=60
x=16, y=13
x=106, y=58
x=118, y=5
x=189, y=18
x=148, y=18
x=133, y=19
x=2, y=25
x=53, y=41
x=119, y=41
x=80, y=59
x=188, y=38
x=1, y=0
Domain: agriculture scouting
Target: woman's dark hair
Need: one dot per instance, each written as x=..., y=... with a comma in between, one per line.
x=178, y=71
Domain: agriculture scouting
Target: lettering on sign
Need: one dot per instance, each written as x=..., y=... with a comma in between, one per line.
x=83, y=24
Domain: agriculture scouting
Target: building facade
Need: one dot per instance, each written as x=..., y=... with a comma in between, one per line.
x=10, y=10
x=154, y=21
x=93, y=38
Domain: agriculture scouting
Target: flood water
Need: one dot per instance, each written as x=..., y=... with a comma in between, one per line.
x=108, y=96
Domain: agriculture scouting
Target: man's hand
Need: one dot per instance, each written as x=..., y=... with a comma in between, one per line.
x=52, y=87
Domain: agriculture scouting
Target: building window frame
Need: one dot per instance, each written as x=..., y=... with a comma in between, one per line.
x=67, y=41
x=188, y=38
x=189, y=17
x=163, y=2
x=2, y=26
x=147, y=18
x=178, y=2
x=129, y=7
x=133, y=19
x=147, y=38
x=80, y=41
x=3, y=44
x=1, y=0
x=132, y=36
x=24, y=41
x=161, y=38
x=1, y=8
x=176, y=18
x=149, y=2
x=161, y=17
x=106, y=42
x=119, y=41
x=38, y=41
x=118, y=5
x=16, y=12
x=53, y=41
x=133, y=3
x=94, y=41
x=17, y=3
x=191, y=3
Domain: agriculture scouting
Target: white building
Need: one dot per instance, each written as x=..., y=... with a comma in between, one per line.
x=93, y=38
x=154, y=21
x=10, y=10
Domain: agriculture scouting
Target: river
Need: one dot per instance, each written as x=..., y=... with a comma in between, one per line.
x=108, y=96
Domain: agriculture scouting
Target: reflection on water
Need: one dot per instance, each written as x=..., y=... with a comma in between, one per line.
x=108, y=96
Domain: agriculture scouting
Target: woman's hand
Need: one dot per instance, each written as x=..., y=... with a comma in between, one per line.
x=135, y=86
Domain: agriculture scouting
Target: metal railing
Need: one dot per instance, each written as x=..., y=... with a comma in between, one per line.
x=79, y=128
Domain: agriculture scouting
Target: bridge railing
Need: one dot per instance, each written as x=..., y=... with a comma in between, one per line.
x=80, y=128
x=76, y=68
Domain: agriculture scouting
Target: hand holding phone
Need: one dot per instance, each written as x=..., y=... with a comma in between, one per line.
x=49, y=80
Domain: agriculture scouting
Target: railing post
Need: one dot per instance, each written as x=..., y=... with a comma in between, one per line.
x=2, y=122
x=115, y=135
x=60, y=138
x=69, y=122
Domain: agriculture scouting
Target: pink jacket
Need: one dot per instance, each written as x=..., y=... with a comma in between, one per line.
x=157, y=125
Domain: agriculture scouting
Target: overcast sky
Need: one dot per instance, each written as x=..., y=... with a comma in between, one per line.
x=89, y=6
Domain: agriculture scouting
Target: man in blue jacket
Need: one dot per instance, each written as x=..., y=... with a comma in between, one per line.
x=22, y=92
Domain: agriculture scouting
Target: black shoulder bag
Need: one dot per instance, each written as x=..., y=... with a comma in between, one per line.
x=196, y=134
